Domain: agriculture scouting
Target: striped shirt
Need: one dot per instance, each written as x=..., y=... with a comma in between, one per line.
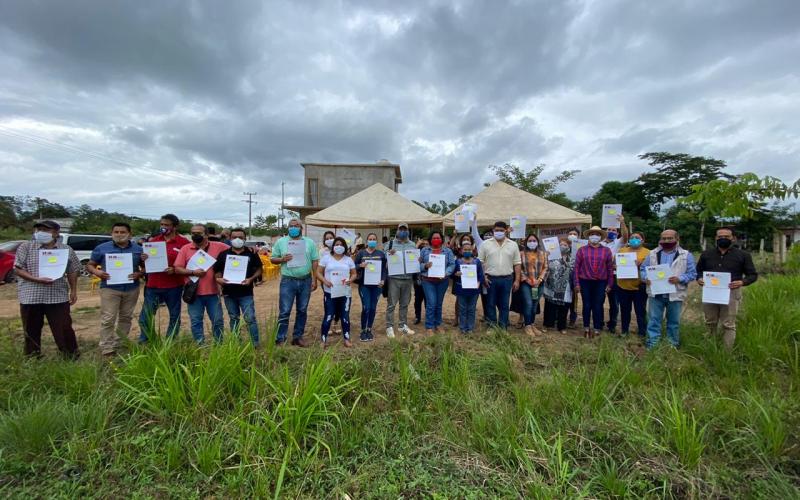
x=594, y=263
x=57, y=292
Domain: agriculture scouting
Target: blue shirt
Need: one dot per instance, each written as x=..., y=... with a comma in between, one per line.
x=458, y=289
x=668, y=259
x=99, y=258
x=450, y=260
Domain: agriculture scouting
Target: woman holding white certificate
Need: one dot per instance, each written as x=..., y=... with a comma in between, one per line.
x=534, y=272
x=371, y=271
x=436, y=265
x=467, y=286
x=336, y=271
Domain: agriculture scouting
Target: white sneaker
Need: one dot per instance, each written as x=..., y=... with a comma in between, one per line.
x=406, y=330
x=390, y=332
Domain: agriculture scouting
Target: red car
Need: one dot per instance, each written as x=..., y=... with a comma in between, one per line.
x=8, y=251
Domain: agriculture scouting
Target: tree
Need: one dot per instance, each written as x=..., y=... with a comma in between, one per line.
x=443, y=207
x=529, y=181
x=634, y=204
x=676, y=174
x=264, y=223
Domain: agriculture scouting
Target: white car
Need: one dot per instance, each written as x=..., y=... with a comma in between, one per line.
x=83, y=244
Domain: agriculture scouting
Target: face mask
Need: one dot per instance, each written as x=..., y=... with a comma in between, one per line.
x=467, y=254
x=338, y=249
x=594, y=239
x=668, y=245
x=294, y=232
x=724, y=243
x=532, y=245
x=372, y=244
x=436, y=242
x=42, y=237
x=564, y=249
x=487, y=237
x=197, y=238
x=499, y=235
x=612, y=236
x=237, y=243
x=120, y=240
x=329, y=242
x=164, y=230
x=634, y=242
x=572, y=237
x=402, y=234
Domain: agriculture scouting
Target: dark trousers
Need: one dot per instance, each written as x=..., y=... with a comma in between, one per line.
x=593, y=294
x=419, y=299
x=60, y=321
x=555, y=315
x=636, y=299
x=613, y=309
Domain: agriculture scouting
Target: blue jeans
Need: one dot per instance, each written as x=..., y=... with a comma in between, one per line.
x=593, y=294
x=292, y=290
x=498, y=298
x=247, y=305
x=658, y=305
x=153, y=297
x=636, y=299
x=370, y=295
x=339, y=307
x=434, y=297
x=466, y=312
x=613, y=308
x=211, y=305
x=528, y=304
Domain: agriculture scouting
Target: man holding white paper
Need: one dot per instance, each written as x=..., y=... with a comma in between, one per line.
x=738, y=265
x=118, y=297
x=400, y=285
x=236, y=270
x=41, y=297
x=681, y=272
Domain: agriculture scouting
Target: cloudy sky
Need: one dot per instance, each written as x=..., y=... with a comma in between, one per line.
x=155, y=106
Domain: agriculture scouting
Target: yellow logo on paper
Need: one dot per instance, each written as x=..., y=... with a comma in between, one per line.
x=52, y=260
x=515, y=222
x=201, y=261
x=153, y=251
x=393, y=258
x=661, y=274
x=117, y=263
x=471, y=274
x=235, y=263
x=411, y=257
x=612, y=211
x=371, y=267
x=623, y=261
x=715, y=281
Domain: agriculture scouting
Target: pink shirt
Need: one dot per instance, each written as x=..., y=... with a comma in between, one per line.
x=207, y=284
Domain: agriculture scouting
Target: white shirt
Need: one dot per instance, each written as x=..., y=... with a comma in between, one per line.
x=499, y=259
x=614, y=246
x=345, y=264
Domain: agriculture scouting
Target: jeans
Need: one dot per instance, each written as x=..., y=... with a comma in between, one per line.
x=247, y=306
x=292, y=290
x=613, y=309
x=370, y=295
x=434, y=297
x=593, y=294
x=466, y=312
x=212, y=305
x=636, y=299
x=555, y=315
x=153, y=297
x=658, y=305
x=528, y=304
x=499, y=298
x=340, y=306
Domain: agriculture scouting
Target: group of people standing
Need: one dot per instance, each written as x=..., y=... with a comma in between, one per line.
x=511, y=275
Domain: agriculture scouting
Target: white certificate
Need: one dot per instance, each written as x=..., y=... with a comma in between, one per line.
x=235, y=268
x=552, y=247
x=568, y=294
x=119, y=266
x=469, y=276
x=297, y=249
x=372, y=273
x=200, y=260
x=610, y=214
x=396, y=266
x=716, y=289
x=339, y=288
x=518, y=223
x=462, y=222
x=576, y=245
x=349, y=236
x=438, y=263
x=156, y=257
x=53, y=263
x=411, y=257
x=626, y=266
x=659, y=279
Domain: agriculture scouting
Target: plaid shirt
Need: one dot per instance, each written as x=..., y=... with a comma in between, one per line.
x=594, y=263
x=57, y=292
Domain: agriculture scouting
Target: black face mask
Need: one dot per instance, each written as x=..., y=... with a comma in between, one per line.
x=724, y=243
x=197, y=238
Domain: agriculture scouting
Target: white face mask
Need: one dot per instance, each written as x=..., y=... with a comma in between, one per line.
x=329, y=242
x=572, y=237
x=532, y=245
x=237, y=243
x=42, y=237
x=594, y=238
x=339, y=249
x=499, y=235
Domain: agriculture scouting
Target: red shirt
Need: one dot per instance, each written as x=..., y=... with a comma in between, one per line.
x=207, y=285
x=164, y=280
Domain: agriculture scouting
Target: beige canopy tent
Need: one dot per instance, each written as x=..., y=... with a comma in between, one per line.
x=377, y=206
x=501, y=201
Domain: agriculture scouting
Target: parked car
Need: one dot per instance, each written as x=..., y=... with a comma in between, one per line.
x=8, y=251
x=83, y=244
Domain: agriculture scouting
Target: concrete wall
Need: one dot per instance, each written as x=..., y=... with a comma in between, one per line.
x=338, y=183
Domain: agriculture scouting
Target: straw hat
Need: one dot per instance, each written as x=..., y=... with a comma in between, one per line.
x=594, y=230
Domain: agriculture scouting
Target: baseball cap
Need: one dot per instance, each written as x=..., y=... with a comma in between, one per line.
x=47, y=224
x=402, y=224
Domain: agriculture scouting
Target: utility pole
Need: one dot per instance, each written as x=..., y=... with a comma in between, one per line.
x=249, y=202
x=283, y=202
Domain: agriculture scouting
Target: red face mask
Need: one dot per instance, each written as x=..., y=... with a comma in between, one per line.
x=437, y=242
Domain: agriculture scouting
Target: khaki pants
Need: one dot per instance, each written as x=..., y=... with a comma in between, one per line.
x=399, y=291
x=716, y=314
x=116, y=314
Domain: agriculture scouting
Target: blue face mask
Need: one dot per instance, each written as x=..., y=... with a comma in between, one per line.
x=635, y=242
x=401, y=235
x=467, y=254
x=294, y=232
x=612, y=236
x=372, y=244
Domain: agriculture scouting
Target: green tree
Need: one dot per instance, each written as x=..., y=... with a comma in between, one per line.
x=442, y=207
x=676, y=174
x=530, y=181
x=634, y=204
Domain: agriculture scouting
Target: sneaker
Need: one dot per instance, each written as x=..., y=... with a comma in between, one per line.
x=536, y=331
x=390, y=332
x=324, y=341
x=301, y=342
x=405, y=330
x=370, y=336
x=364, y=337
x=417, y=321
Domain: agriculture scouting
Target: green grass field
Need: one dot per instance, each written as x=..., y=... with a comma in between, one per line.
x=441, y=418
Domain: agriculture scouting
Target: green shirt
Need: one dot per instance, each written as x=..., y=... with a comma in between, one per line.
x=281, y=248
